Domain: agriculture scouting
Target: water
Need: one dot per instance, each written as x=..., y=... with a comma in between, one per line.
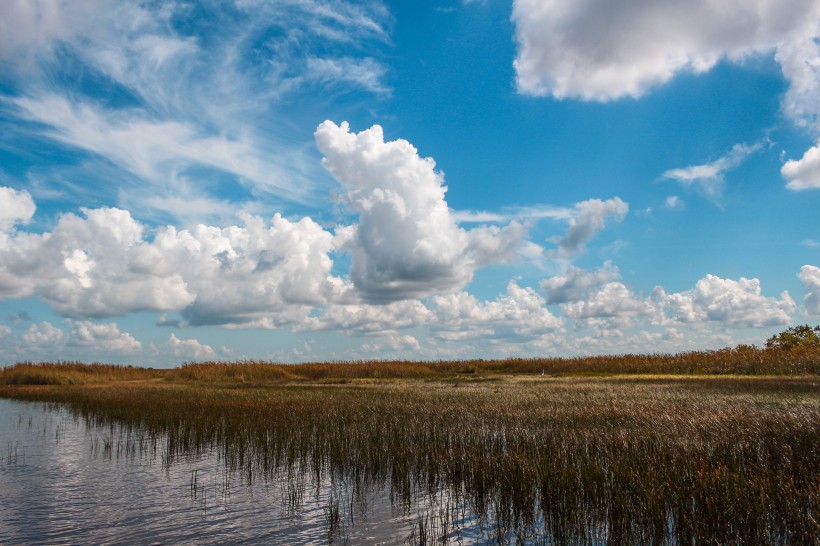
x=65, y=482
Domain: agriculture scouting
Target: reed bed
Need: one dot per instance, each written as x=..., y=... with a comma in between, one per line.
x=71, y=373
x=743, y=360
x=737, y=361
x=577, y=460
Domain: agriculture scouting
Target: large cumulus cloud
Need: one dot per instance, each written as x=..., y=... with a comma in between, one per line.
x=406, y=243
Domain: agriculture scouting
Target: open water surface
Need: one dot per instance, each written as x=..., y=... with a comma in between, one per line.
x=65, y=482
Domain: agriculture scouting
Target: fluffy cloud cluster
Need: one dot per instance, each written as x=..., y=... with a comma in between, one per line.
x=104, y=339
x=600, y=298
x=187, y=348
x=595, y=298
x=406, y=243
x=102, y=265
x=85, y=268
x=576, y=283
x=725, y=301
x=410, y=261
x=642, y=43
x=521, y=314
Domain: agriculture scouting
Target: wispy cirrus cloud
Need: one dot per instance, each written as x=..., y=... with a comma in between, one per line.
x=709, y=178
x=169, y=99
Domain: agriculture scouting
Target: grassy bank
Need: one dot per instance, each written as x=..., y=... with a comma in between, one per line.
x=560, y=458
x=739, y=361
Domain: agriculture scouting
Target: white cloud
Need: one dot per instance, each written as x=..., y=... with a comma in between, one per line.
x=589, y=218
x=595, y=299
x=804, y=173
x=406, y=243
x=709, y=177
x=612, y=300
x=724, y=301
x=366, y=319
x=102, y=338
x=810, y=277
x=43, y=335
x=105, y=265
x=188, y=348
x=16, y=207
x=811, y=243
x=597, y=50
x=241, y=273
x=519, y=315
x=83, y=268
x=406, y=344
x=577, y=284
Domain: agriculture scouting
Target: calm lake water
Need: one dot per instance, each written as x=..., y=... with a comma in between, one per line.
x=63, y=481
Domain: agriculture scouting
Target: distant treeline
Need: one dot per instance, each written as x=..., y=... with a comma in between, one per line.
x=743, y=360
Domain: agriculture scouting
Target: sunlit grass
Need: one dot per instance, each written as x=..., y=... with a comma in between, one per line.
x=739, y=361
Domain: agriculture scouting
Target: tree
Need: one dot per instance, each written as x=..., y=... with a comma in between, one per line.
x=799, y=336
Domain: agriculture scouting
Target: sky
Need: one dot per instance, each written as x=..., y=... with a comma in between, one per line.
x=313, y=180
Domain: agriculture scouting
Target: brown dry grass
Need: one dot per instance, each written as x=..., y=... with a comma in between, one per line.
x=741, y=361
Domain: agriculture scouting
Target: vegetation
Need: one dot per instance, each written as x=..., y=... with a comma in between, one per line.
x=71, y=373
x=798, y=337
x=797, y=359
x=577, y=455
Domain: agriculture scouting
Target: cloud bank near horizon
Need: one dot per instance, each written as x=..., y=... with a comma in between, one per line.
x=410, y=266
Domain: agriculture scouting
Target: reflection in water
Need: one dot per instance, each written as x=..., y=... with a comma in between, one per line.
x=66, y=481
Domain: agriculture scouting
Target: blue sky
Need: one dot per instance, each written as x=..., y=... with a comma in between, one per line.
x=301, y=180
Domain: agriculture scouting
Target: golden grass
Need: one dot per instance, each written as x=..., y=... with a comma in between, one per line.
x=741, y=361
x=71, y=373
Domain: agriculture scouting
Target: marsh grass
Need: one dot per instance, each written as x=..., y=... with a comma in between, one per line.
x=744, y=360
x=739, y=361
x=71, y=373
x=535, y=459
